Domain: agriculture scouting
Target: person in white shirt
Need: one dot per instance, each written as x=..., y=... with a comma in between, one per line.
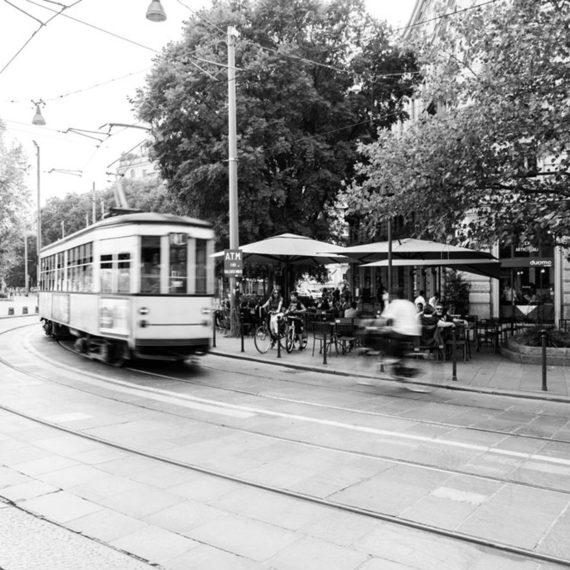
x=397, y=328
x=435, y=300
x=420, y=299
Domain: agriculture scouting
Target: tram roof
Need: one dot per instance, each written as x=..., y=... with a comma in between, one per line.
x=135, y=218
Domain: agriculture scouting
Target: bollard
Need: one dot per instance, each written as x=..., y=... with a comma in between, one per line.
x=543, y=342
x=453, y=356
x=325, y=346
x=214, y=331
x=241, y=334
x=278, y=337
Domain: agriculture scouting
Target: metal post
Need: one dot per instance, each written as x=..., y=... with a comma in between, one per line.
x=389, y=258
x=453, y=356
x=214, y=330
x=232, y=162
x=39, y=213
x=324, y=345
x=93, y=205
x=543, y=341
x=241, y=334
x=278, y=337
x=26, y=276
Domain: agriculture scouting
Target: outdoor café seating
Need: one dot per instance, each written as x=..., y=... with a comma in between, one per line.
x=345, y=334
x=488, y=334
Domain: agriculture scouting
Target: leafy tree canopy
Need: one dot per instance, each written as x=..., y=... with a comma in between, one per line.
x=493, y=161
x=15, y=211
x=298, y=115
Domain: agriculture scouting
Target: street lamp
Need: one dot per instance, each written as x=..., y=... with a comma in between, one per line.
x=38, y=117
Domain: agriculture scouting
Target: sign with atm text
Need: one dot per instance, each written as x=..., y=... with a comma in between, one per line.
x=233, y=263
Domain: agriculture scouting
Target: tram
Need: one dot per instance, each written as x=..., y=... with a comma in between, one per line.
x=135, y=285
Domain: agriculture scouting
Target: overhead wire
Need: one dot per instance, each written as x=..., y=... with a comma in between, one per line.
x=448, y=15
x=42, y=25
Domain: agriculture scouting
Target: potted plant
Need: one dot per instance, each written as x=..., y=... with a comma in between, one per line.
x=456, y=296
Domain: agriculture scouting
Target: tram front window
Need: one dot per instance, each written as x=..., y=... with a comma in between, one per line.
x=150, y=264
x=178, y=276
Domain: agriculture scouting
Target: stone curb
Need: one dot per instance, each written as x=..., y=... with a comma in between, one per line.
x=448, y=386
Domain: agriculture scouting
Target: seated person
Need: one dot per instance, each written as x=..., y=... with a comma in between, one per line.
x=351, y=312
x=294, y=310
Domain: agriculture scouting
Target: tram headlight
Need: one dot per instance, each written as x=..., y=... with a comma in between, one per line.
x=143, y=324
x=206, y=310
x=144, y=310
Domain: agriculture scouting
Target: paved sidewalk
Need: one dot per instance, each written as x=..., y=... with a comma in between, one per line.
x=485, y=372
x=18, y=306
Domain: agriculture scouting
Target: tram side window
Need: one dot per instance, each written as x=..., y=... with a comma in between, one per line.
x=178, y=273
x=201, y=267
x=106, y=274
x=150, y=264
x=124, y=282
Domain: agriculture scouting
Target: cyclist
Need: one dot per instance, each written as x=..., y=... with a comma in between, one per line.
x=293, y=311
x=274, y=306
x=397, y=327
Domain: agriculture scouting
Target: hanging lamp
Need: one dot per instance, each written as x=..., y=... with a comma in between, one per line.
x=38, y=117
x=155, y=12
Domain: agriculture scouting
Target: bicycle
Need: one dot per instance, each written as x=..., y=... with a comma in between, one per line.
x=295, y=333
x=375, y=342
x=222, y=319
x=264, y=339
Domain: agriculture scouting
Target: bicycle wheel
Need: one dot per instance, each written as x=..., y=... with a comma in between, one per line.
x=290, y=339
x=262, y=339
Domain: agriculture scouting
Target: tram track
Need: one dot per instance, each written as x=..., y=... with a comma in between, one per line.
x=281, y=438
x=455, y=535
x=294, y=494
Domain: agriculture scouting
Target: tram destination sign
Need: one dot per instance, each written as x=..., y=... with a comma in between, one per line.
x=233, y=262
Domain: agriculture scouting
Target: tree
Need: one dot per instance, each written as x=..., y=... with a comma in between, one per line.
x=493, y=161
x=74, y=212
x=14, y=203
x=298, y=118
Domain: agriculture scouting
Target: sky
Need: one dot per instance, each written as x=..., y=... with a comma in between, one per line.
x=84, y=64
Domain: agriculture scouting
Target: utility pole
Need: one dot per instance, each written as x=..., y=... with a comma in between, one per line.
x=232, y=166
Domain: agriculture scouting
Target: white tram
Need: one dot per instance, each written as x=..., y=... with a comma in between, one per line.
x=134, y=285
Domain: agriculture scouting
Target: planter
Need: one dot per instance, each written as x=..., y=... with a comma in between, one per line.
x=533, y=354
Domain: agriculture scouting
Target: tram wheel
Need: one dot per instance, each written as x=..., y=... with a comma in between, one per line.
x=81, y=345
x=113, y=353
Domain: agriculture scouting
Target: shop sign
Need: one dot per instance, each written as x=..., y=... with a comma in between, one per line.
x=539, y=262
x=233, y=263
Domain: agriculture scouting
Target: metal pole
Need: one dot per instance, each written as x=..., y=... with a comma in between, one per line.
x=232, y=163
x=453, y=356
x=389, y=257
x=26, y=276
x=543, y=340
x=93, y=206
x=39, y=213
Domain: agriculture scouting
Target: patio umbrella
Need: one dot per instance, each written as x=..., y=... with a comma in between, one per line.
x=484, y=267
x=291, y=249
x=413, y=249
